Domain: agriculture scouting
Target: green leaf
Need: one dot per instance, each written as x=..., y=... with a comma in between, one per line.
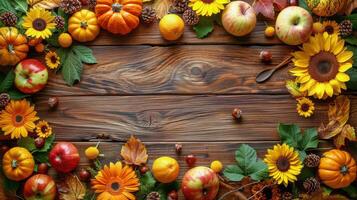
x=71, y=68
x=353, y=19
x=302, y=155
x=352, y=84
x=290, y=134
x=351, y=40
x=5, y=5
x=48, y=144
x=85, y=54
x=303, y=4
x=351, y=191
x=309, y=139
x=11, y=186
x=147, y=184
x=245, y=156
x=354, y=50
x=17, y=95
x=27, y=143
x=164, y=188
x=258, y=171
x=8, y=82
x=41, y=157
x=204, y=27
x=20, y=5
x=306, y=172
x=53, y=40
x=233, y=173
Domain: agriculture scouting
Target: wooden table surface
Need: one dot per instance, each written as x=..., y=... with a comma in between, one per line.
x=183, y=91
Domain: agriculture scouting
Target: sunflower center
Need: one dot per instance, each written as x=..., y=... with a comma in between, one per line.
x=44, y=129
x=329, y=30
x=207, y=1
x=39, y=24
x=283, y=164
x=54, y=59
x=115, y=186
x=323, y=66
x=19, y=119
x=305, y=107
x=116, y=7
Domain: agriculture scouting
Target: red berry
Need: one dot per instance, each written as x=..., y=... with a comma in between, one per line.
x=293, y=2
x=42, y=168
x=266, y=56
x=143, y=169
x=191, y=160
x=4, y=149
x=84, y=175
x=52, y=103
x=173, y=195
x=39, y=142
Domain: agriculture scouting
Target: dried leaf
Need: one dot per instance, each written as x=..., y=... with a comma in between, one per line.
x=350, y=6
x=348, y=132
x=265, y=7
x=340, y=110
x=71, y=188
x=134, y=152
x=162, y=7
x=280, y=4
x=46, y=4
x=330, y=130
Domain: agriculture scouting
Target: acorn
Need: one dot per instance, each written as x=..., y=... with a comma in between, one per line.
x=42, y=168
x=178, y=148
x=172, y=195
x=39, y=142
x=266, y=56
x=190, y=160
x=84, y=175
x=52, y=103
x=143, y=169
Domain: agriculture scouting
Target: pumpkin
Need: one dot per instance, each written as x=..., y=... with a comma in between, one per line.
x=118, y=16
x=326, y=8
x=13, y=46
x=337, y=169
x=18, y=164
x=83, y=26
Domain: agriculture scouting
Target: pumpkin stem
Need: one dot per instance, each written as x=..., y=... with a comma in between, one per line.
x=116, y=7
x=10, y=48
x=84, y=25
x=14, y=164
x=344, y=170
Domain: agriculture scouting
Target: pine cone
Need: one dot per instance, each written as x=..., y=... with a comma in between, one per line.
x=148, y=15
x=153, y=196
x=311, y=185
x=312, y=160
x=4, y=100
x=287, y=196
x=190, y=17
x=8, y=19
x=180, y=6
x=71, y=6
x=92, y=4
x=346, y=28
x=59, y=21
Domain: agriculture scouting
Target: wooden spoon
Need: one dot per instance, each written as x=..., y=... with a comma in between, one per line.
x=267, y=73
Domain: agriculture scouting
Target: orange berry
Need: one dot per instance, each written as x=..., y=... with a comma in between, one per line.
x=269, y=31
x=40, y=48
x=34, y=41
x=216, y=166
x=171, y=27
x=317, y=27
x=65, y=40
x=165, y=169
x=91, y=153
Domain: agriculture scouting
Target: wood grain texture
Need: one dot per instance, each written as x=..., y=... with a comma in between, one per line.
x=190, y=69
x=177, y=118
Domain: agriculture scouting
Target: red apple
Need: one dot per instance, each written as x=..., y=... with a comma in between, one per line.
x=30, y=76
x=239, y=18
x=293, y=25
x=40, y=186
x=64, y=157
x=200, y=183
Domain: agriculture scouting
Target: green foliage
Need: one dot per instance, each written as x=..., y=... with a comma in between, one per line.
x=41, y=157
x=247, y=165
x=204, y=27
x=27, y=143
x=20, y=5
x=351, y=191
x=352, y=84
x=163, y=189
x=351, y=40
x=11, y=186
x=5, y=5
x=301, y=141
x=16, y=94
x=303, y=4
x=353, y=19
x=72, y=60
x=8, y=81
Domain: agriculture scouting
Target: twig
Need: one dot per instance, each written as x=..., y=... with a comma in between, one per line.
x=260, y=191
x=236, y=190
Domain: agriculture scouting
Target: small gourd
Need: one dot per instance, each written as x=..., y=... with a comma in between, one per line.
x=18, y=164
x=83, y=26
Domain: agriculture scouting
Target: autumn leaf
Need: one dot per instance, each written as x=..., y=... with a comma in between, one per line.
x=162, y=7
x=265, y=7
x=349, y=7
x=348, y=132
x=340, y=110
x=46, y=4
x=280, y=4
x=71, y=188
x=329, y=131
x=134, y=152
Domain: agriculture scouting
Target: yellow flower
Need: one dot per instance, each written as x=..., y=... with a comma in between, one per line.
x=43, y=129
x=331, y=27
x=320, y=68
x=39, y=23
x=305, y=107
x=207, y=7
x=116, y=182
x=52, y=60
x=294, y=89
x=283, y=163
x=18, y=118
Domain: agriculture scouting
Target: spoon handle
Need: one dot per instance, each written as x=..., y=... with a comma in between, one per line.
x=267, y=73
x=283, y=63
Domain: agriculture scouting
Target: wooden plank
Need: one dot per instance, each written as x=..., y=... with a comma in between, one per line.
x=150, y=35
x=177, y=118
x=219, y=69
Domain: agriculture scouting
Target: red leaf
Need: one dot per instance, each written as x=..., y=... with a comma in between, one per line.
x=265, y=7
x=281, y=4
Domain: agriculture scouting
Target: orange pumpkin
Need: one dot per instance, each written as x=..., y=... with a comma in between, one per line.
x=18, y=164
x=83, y=26
x=13, y=46
x=118, y=16
x=337, y=169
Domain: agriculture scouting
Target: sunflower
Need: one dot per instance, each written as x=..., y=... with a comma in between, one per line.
x=331, y=27
x=116, y=182
x=320, y=68
x=17, y=119
x=52, y=60
x=207, y=7
x=43, y=129
x=283, y=163
x=38, y=23
x=305, y=107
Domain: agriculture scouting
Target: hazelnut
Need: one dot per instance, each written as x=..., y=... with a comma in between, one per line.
x=52, y=103
x=178, y=148
x=237, y=113
x=266, y=56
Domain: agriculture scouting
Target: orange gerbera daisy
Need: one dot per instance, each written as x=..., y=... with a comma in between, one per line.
x=116, y=182
x=18, y=118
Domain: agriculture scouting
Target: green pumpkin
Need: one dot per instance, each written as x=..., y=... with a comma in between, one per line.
x=326, y=8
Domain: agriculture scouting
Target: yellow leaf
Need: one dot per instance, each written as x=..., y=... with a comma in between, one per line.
x=348, y=132
x=162, y=7
x=72, y=188
x=329, y=131
x=339, y=110
x=134, y=152
x=46, y=4
x=349, y=7
x=294, y=89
